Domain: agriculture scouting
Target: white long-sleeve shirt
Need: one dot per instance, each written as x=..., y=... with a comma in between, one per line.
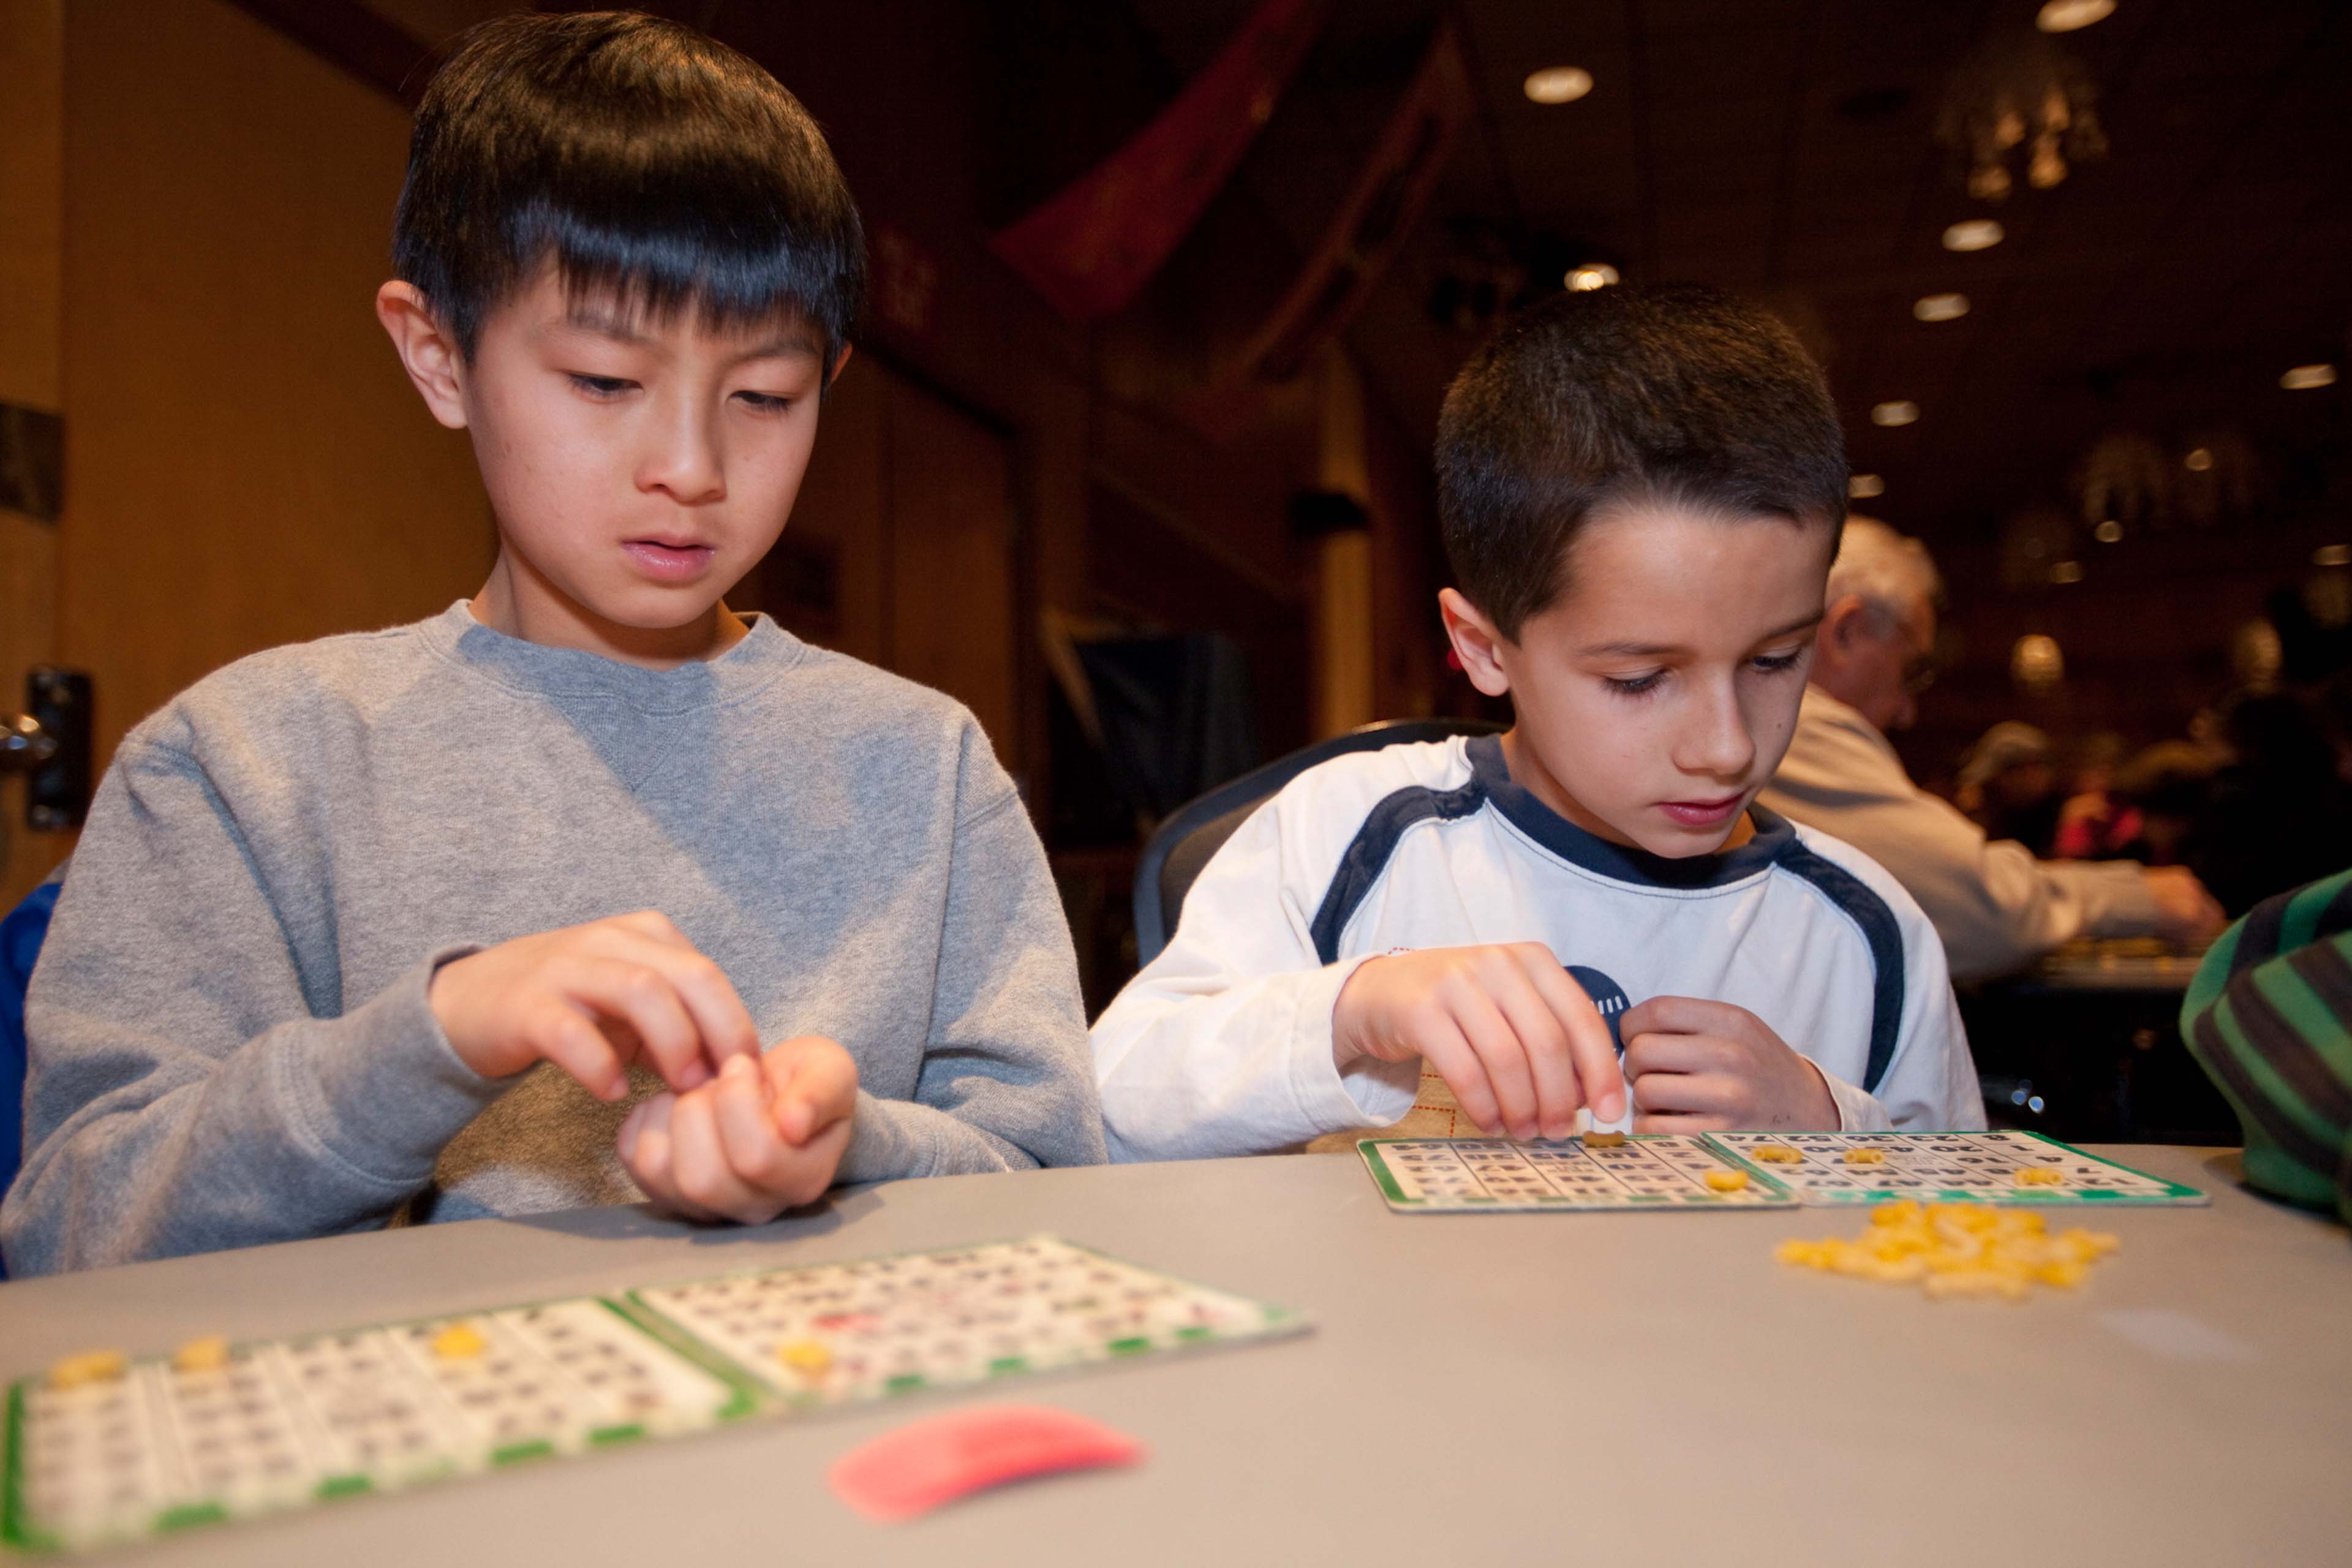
x=1997, y=908
x=1222, y=1045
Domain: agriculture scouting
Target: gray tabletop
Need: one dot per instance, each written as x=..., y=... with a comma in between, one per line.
x=1568, y=1386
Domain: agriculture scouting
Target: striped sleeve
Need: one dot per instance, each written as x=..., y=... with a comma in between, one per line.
x=2269, y=1017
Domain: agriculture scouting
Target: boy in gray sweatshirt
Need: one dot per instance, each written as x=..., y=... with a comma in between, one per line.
x=508, y=910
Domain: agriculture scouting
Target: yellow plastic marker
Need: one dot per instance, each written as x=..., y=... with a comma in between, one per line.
x=1725, y=1180
x=2040, y=1176
x=1778, y=1155
x=459, y=1341
x=806, y=1356
x=91, y=1366
x=1866, y=1156
x=1603, y=1139
x=1957, y=1249
x=208, y=1354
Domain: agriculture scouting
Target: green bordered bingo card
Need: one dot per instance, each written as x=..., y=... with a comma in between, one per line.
x=2007, y=1168
x=103, y=1450
x=1480, y=1175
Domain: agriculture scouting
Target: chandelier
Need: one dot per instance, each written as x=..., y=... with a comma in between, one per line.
x=2020, y=93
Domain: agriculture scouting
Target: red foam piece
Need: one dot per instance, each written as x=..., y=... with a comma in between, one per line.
x=942, y=1457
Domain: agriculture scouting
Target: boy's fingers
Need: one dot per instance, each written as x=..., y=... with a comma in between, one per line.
x=1673, y=1054
x=641, y=997
x=1600, y=1080
x=648, y=1154
x=702, y=988
x=564, y=1037
x=1684, y=1123
x=1448, y=1051
x=754, y=1150
x=698, y=1162
x=1682, y=1015
x=1552, y=1065
x=1703, y=1093
x=1506, y=1062
x=816, y=1086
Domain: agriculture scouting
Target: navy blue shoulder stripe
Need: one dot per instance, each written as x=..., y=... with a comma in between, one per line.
x=1368, y=853
x=1869, y=912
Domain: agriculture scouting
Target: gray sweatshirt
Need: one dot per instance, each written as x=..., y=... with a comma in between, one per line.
x=229, y=1034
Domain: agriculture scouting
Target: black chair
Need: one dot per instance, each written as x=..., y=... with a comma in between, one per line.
x=1195, y=831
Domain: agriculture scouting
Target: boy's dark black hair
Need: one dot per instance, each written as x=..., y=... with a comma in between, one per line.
x=642, y=159
x=1622, y=395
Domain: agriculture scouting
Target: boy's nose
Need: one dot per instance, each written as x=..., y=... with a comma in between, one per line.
x=1720, y=744
x=685, y=463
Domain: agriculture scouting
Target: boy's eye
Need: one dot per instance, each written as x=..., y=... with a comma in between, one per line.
x=601, y=386
x=766, y=401
x=1773, y=663
x=1633, y=685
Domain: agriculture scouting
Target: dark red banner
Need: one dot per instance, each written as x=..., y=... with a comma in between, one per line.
x=1357, y=249
x=1093, y=247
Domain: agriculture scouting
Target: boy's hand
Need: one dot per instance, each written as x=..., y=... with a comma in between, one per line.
x=766, y=1136
x=1709, y=1067
x=593, y=999
x=1519, y=1042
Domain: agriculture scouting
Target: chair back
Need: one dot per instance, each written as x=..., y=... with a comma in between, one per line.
x=1183, y=843
x=21, y=934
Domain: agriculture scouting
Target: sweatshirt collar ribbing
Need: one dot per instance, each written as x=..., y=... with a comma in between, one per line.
x=563, y=674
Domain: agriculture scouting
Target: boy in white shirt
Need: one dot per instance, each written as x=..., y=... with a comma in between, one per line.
x=1640, y=493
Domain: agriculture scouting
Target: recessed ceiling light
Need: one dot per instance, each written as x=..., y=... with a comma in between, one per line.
x=2066, y=572
x=1861, y=487
x=1897, y=412
x=2303, y=377
x=2198, y=460
x=1559, y=84
x=2331, y=555
x=2107, y=533
x=1591, y=276
x=1941, y=307
x=1975, y=233
x=2066, y=15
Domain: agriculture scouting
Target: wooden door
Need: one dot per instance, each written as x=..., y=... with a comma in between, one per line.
x=902, y=545
x=32, y=210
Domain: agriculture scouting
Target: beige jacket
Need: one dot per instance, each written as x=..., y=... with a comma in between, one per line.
x=1997, y=908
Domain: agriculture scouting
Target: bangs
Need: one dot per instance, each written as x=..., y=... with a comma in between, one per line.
x=648, y=166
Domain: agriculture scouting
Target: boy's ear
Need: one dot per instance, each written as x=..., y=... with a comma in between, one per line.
x=1476, y=641
x=426, y=351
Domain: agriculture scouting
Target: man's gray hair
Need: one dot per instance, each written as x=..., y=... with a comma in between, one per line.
x=1891, y=573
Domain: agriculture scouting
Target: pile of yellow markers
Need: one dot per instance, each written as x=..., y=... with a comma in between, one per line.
x=1958, y=1249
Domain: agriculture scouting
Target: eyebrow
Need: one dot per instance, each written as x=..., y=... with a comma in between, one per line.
x=605, y=324
x=1653, y=650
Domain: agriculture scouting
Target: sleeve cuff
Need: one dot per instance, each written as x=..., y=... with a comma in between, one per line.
x=384, y=1093
x=1370, y=1092
x=1858, y=1110
x=884, y=1145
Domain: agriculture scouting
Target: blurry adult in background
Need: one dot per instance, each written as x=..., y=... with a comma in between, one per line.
x=2279, y=812
x=2009, y=788
x=2096, y=822
x=1996, y=906
x=2165, y=788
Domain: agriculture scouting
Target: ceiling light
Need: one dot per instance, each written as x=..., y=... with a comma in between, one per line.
x=2108, y=532
x=1941, y=307
x=1559, y=84
x=1975, y=233
x=2066, y=15
x=1591, y=276
x=2198, y=460
x=1896, y=413
x=2331, y=555
x=1861, y=487
x=2066, y=572
x=2303, y=377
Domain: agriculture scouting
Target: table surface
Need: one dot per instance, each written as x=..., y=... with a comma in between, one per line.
x=1551, y=1384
